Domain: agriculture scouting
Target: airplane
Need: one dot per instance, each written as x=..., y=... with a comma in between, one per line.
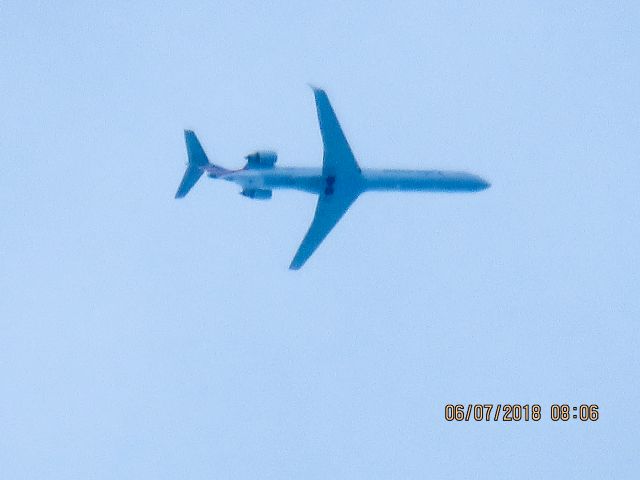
x=338, y=183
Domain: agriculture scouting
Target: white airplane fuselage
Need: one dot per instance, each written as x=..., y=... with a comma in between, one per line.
x=311, y=180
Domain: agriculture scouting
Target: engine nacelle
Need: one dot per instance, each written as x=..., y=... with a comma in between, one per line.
x=262, y=159
x=257, y=193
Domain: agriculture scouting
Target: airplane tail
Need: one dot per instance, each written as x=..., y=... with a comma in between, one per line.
x=197, y=165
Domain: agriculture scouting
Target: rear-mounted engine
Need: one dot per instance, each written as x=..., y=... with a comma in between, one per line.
x=262, y=159
x=257, y=193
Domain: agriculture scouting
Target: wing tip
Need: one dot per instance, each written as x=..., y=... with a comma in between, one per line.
x=315, y=88
x=295, y=265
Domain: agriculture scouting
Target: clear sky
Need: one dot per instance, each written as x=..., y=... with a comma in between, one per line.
x=144, y=337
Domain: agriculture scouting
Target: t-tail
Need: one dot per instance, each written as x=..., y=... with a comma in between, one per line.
x=198, y=163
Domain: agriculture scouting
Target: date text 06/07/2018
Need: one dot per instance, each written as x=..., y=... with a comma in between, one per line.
x=514, y=412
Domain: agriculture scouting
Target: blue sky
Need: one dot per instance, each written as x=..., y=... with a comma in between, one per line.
x=143, y=337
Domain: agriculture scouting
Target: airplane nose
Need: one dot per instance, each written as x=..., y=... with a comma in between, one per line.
x=481, y=183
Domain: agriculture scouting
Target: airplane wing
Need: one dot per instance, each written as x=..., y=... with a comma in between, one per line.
x=342, y=176
x=338, y=158
x=329, y=211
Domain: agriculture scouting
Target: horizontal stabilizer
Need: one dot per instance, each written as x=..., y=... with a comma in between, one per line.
x=189, y=179
x=194, y=150
x=198, y=162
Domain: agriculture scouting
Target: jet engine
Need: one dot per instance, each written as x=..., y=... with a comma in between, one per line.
x=262, y=159
x=256, y=193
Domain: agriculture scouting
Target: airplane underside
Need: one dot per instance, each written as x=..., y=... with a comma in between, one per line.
x=312, y=181
x=338, y=183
